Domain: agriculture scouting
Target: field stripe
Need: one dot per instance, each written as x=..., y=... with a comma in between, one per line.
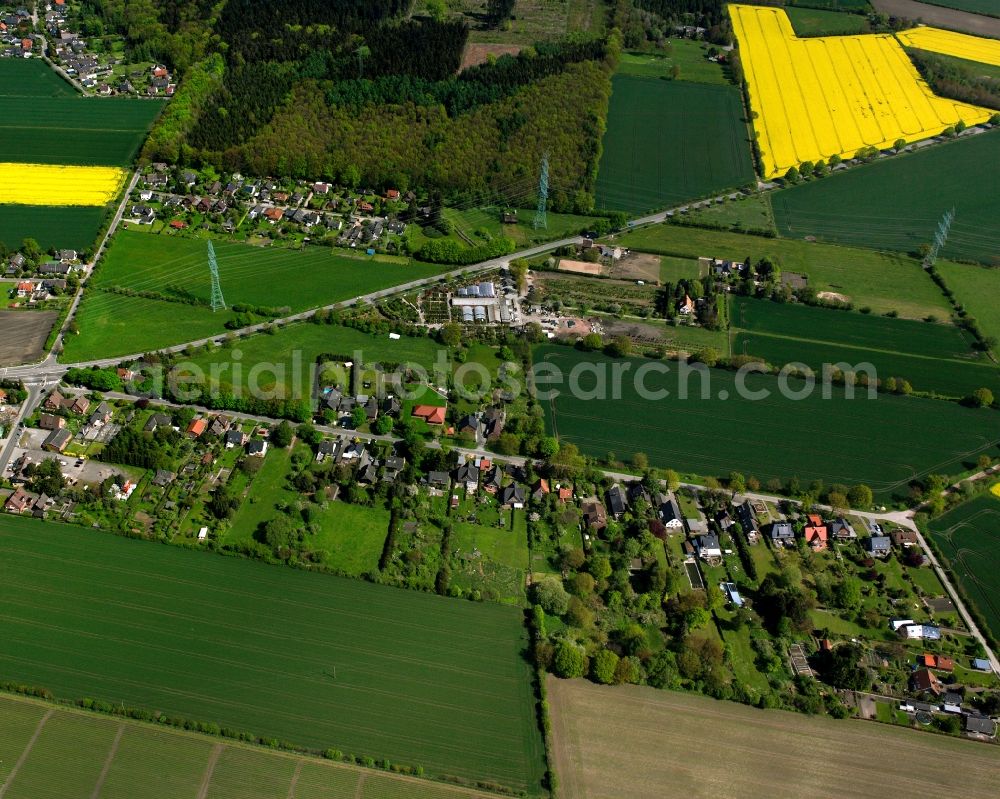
x=361, y=787
x=206, y=780
x=295, y=780
x=25, y=753
x=99, y=785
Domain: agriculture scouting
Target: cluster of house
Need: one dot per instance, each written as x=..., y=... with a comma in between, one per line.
x=15, y=34
x=505, y=482
x=69, y=49
x=930, y=678
x=308, y=205
x=66, y=263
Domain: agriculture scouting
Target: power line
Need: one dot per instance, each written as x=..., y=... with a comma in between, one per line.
x=541, y=218
x=217, y=299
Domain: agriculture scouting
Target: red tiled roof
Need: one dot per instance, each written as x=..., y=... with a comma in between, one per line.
x=197, y=427
x=432, y=414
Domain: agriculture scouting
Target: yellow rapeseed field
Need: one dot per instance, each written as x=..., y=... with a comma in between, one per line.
x=959, y=45
x=49, y=184
x=833, y=95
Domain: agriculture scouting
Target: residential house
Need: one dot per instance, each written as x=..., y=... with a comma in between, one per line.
x=782, y=534
x=326, y=449
x=197, y=427
x=257, y=448
x=55, y=401
x=637, y=492
x=156, y=421
x=842, y=530
x=511, y=496
x=163, y=478
x=669, y=512
x=595, y=516
x=878, y=546
x=686, y=306
x=903, y=538
x=707, y=546
x=432, y=414
x=493, y=479
x=565, y=493
x=980, y=725
x=235, y=438
x=57, y=440
x=355, y=451
x=925, y=680
x=101, y=416
x=392, y=467
x=437, y=480
x=391, y=406
x=494, y=419
x=367, y=473
x=617, y=505
x=540, y=490
x=467, y=472
x=3, y=396
x=816, y=534
x=981, y=664
x=48, y=421
x=748, y=520
x=468, y=425
x=19, y=501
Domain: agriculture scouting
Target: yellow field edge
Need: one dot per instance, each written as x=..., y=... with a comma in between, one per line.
x=959, y=45
x=833, y=95
x=57, y=184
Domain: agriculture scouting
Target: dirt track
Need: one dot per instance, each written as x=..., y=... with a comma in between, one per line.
x=941, y=17
x=23, y=334
x=639, y=742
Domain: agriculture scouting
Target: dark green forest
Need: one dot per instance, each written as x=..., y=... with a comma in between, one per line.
x=363, y=93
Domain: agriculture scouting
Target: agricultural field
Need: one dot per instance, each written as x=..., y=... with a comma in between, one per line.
x=670, y=141
x=79, y=754
x=967, y=537
x=55, y=145
x=882, y=281
x=689, y=56
x=975, y=289
x=987, y=7
x=632, y=740
x=23, y=335
x=887, y=205
x=319, y=661
x=849, y=92
x=957, y=45
x=817, y=22
x=176, y=270
x=746, y=215
x=55, y=185
x=884, y=442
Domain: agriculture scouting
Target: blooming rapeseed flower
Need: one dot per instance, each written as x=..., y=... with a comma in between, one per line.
x=51, y=184
x=833, y=95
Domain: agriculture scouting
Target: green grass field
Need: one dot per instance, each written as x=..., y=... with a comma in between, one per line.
x=31, y=78
x=670, y=141
x=987, y=7
x=142, y=761
x=978, y=68
x=967, y=536
x=813, y=22
x=293, y=349
x=747, y=214
x=279, y=278
x=932, y=357
x=70, y=226
x=690, y=57
x=975, y=288
x=884, y=442
x=896, y=204
x=882, y=281
x=419, y=679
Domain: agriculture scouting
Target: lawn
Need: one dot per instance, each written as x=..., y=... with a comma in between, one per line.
x=975, y=289
x=287, y=356
x=813, y=22
x=268, y=489
x=748, y=214
x=316, y=660
x=897, y=203
x=147, y=762
x=883, y=281
x=633, y=740
x=884, y=442
x=932, y=357
x=351, y=537
x=967, y=536
x=175, y=271
x=477, y=225
x=489, y=559
x=690, y=57
x=673, y=269
x=670, y=141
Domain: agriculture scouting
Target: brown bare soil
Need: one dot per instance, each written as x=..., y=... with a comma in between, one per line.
x=23, y=334
x=580, y=267
x=637, y=266
x=477, y=53
x=951, y=18
x=640, y=742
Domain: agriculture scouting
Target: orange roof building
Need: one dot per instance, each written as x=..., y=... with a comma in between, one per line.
x=816, y=534
x=197, y=427
x=432, y=414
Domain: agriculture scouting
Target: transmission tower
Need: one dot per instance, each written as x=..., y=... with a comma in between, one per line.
x=940, y=237
x=218, y=301
x=541, y=220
